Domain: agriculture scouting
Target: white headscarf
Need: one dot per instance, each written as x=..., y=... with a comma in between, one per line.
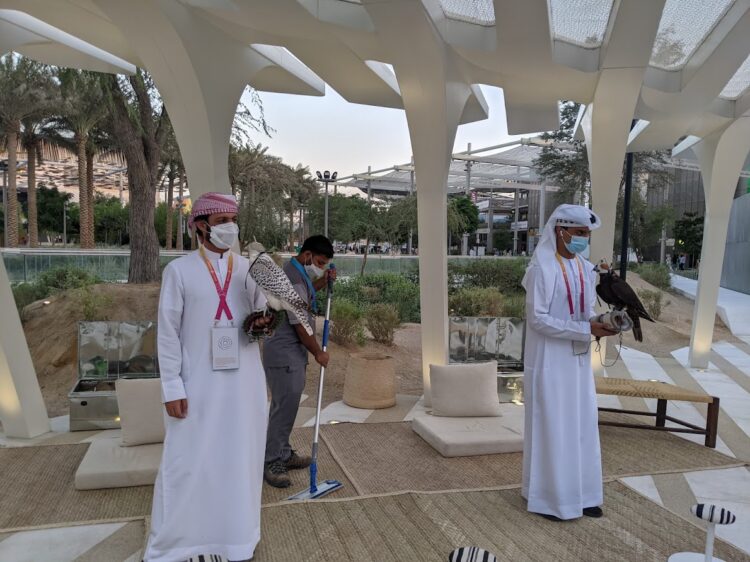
x=567, y=216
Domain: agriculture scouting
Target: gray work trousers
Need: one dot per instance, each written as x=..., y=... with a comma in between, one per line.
x=286, y=385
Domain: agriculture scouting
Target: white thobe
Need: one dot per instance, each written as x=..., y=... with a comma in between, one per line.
x=562, y=471
x=208, y=490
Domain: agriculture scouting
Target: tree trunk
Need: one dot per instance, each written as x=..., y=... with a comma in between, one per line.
x=140, y=142
x=31, y=194
x=170, y=212
x=91, y=197
x=364, y=258
x=291, y=230
x=180, y=232
x=83, y=195
x=144, y=243
x=11, y=236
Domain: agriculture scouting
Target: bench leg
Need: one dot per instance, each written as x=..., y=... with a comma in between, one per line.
x=661, y=412
x=712, y=423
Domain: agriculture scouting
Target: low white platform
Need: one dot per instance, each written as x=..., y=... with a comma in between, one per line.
x=464, y=437
x=733, y=307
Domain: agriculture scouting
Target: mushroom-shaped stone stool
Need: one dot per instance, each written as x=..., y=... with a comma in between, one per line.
x=714, y=515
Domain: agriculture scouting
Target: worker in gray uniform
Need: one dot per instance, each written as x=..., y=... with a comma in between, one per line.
x=285, y=357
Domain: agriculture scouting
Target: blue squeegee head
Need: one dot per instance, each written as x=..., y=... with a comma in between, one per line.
x=322, y=489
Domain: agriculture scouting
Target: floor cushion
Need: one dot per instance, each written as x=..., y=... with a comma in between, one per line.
x=108, y=465
x=468, y=389
x=466, y=436
x=141, y=411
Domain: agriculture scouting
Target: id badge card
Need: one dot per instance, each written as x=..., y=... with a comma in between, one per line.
x=225, y=348
x=581, y=347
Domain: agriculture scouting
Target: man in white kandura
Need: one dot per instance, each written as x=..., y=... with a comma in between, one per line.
x=562, y=469
x=208, y=491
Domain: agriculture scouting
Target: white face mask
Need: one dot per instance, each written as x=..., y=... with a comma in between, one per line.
x=224, y=236
x=314, y=271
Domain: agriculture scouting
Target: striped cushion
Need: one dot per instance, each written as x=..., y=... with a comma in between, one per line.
x=471, y=554
x=713, y=514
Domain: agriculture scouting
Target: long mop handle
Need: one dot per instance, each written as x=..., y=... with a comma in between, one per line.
x=314, y=464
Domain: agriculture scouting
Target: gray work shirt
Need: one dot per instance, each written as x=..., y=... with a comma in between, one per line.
x=284, y=348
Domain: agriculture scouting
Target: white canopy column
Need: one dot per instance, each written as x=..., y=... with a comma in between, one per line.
x=721, y=156
x=606, y=121
x=434, y=99
x=22, y=409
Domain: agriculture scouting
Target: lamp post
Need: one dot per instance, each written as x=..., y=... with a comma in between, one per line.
x=326, y=178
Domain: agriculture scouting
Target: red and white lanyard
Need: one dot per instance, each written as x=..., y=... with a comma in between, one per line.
x=222, y=291
x=567, y=284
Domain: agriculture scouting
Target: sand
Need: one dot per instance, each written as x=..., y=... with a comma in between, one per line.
x=51, y=331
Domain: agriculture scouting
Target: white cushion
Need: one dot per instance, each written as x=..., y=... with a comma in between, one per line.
x=141, y=411
x=464, y=390
x=108, y=465
x=464, y=437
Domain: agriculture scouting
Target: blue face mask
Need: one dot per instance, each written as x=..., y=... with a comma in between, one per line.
x=577, y=244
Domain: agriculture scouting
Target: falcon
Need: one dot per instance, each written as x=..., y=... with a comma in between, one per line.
x=275, y=285
x=619, y=295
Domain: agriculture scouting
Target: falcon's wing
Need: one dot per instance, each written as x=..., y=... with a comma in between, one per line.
x=627, y=295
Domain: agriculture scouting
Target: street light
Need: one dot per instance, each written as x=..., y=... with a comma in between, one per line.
x=326, y=178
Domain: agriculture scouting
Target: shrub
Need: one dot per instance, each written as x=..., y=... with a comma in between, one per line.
x=514, y=306
x=63, y=279
x=656, y=274
x=476, y=302
x=346, y=322
x=388, y=288
x=382, y=321
x=94, y=306
x=50, y=282
x=24, y=294
x=652, y=302
x=502, y=274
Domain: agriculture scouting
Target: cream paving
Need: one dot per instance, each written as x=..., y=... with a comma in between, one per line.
x=734, y=399
x=729, y=488
x=62, y=544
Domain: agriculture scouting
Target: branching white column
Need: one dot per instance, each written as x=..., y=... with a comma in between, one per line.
x=434, y=96
x=201, y=74
x=606, y=125
x=22, y=409
x=721, y=157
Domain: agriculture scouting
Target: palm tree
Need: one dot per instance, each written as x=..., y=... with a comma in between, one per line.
x=171, y=165
x=25, y=91
x=36, y=131
x=83, y=108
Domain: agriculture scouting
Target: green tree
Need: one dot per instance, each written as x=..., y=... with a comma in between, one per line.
x=36, y=130
x=25, y=92
x=50, y=203
x=502, y=237
x=83, y=108
x=111, y=222
x=688, y=233
x=463, y=216
x=564, y=163
x=139, y=126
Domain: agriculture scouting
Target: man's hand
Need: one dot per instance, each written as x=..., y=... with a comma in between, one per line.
x=601, y=330
x=322, y=358
x=331, y=274
x=177, y=408
x=263, y=321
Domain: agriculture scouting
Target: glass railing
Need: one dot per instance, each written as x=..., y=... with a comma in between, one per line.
x=24, y=265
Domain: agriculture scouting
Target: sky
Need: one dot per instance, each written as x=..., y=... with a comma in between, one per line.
x=329, y=133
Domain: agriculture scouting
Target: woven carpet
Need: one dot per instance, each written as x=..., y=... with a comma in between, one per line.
x=37, y=489
x=37, y=486
x=427, y=526
x=37, y=483
x=388, y=457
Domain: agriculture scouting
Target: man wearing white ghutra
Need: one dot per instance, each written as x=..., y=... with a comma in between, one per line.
x=208, y=491
x=562, y=472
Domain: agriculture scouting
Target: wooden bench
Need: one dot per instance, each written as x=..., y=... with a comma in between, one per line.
x=662, y=392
